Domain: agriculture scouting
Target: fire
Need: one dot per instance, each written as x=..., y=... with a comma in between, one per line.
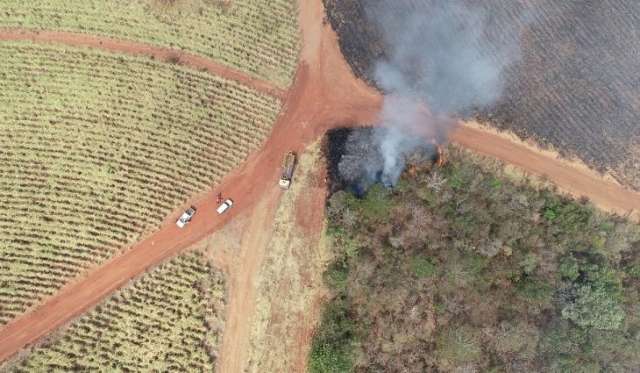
x=442, y=159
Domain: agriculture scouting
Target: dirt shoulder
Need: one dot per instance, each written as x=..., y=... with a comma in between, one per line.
x=244, y=259
x=290, y=285
x=133, y=48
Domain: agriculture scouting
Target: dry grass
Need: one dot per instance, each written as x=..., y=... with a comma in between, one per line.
x=290, y=283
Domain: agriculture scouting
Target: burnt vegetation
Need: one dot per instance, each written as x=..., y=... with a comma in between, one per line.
x=357, y=159
x=464, y=268
x=573, y=86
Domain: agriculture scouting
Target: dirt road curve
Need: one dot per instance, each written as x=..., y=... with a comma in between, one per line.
x=325, y=95
x=141, y=49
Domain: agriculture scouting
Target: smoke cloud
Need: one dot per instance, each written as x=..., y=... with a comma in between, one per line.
x=442, y=54
x=440, y=63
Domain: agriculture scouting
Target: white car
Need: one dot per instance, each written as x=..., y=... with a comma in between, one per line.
x=186, y=217
x=224, y=206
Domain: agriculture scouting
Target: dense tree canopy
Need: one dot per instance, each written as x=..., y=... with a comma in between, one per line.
x=467, y=267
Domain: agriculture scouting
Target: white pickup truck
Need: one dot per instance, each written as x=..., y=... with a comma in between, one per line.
x=186, y=217
x=224, y=206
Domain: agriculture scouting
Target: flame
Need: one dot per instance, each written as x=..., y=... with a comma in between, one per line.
x=442, y=159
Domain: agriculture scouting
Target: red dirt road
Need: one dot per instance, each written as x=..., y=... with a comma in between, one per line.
x=325, y=95
x=141, y=49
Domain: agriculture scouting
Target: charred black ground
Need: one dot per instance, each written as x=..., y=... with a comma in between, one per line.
x=333, y=149
x=355, y=162
x=575, y=87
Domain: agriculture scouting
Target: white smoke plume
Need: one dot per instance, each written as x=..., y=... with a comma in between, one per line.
x=442, y=54
x=440, y=64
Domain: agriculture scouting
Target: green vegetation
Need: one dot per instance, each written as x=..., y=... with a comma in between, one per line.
x=422, y=266
x=97, y=149
x=471, y=269
x=256, y=36
x=332, y=345
x=168, y=320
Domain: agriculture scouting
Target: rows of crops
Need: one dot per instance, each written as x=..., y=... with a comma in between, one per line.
x=169, y=320
x=257, y=36
x=572, y=84
x=97, y=149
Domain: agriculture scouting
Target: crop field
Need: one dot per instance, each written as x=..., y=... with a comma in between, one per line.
x=170, y=319
x=257, y=36
x=573, y=86
x=97, y=149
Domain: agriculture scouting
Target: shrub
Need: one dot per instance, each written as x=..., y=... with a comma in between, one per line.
x=534, y=289
x=569, y=268
x=529, y=263
x=422, y=267
x=633, y=271
x=376, y=204
x=519, y=338
x=458, y=346
x=595, y=307
x=332, y=347
x=562, y=338
x=565, y=364
x=337, y=274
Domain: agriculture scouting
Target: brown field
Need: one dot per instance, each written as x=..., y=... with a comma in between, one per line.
x=572, y=90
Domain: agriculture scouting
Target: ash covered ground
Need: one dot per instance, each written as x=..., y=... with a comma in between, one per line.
x=573, y=85
x=357, y=158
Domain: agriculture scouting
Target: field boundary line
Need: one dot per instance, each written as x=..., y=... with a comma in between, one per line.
x=141, y=49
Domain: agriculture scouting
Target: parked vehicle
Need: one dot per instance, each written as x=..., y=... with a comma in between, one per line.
x=288, y=165
x=186, y=217
x=224, y=206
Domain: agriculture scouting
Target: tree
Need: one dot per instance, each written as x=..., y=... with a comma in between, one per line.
x=595, y=307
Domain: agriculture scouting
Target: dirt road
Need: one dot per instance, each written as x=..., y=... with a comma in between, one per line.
x=325, y=95
x=571, y=178
x=134, y=48
x=242, y=283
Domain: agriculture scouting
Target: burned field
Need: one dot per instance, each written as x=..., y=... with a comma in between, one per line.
x=571, y=85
